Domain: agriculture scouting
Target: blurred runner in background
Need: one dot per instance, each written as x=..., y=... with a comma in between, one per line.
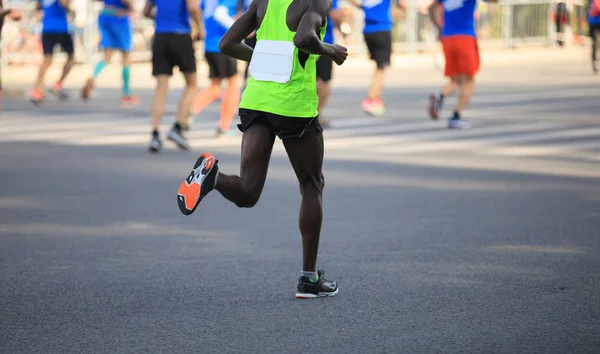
x=459, y=41
x=218, y=17
x=55, y=31
x=173, y=47
x=378, y=37
x=115, y=34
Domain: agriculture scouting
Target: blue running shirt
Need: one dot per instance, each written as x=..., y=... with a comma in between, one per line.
x=378, y=15
x=55, y=17
x=459, y=17
x=172, y=16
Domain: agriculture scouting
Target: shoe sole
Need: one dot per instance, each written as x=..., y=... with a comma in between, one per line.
x=315, y=296
x=189, y=194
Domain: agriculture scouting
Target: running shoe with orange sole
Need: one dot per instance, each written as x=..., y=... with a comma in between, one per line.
x=36, y=97
x=58, y=91
x=198, y=184
x=129, y=100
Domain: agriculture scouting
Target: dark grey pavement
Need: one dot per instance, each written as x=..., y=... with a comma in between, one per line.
x=479, y=241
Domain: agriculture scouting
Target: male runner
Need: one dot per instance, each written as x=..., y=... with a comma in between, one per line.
x=459, y=41
x=15, y=16
x=325, y=63
x=55, y=31
x=115, y=32
x=594, y=25
x=218, y=17
x=280, y=100
x=378, y=37
x=172, y=46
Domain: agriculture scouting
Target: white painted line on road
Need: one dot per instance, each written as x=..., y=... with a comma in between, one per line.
x=442, y=134
x=394, y=127
x=509, y=97
x=536, y=167
x=479, y=144
x=503, y=110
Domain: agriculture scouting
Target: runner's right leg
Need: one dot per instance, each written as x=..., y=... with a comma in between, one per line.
x=86, y=91
x=127, y=98
x=36, y=96
x=243, y=190
x=380, y=47
x=157, y=110
x=183, y=109
x=65, y=41
x=467, y=86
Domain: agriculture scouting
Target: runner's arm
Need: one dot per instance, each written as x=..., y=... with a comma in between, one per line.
x=434, y=14
x=222, y=13
x=306, y=38
x=149, y=10
x=128, y=4
x=4, y=12
x=231, y=44
x=193, y=7
x=337, y=16
x=65, y=4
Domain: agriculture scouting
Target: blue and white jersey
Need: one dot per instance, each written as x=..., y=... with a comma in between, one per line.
x=215, y=28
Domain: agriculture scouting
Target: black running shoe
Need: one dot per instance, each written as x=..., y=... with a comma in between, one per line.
x=198, y=184
x=322, y=288
x=155, y=144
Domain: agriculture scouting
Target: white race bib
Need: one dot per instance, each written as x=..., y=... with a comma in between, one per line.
x=272, y=61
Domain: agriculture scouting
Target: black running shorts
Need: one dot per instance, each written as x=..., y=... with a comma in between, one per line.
x=380, y=47
x=220, y=65
x=324, y=68
x=284, y=127
x=51, y=40
x=171, y=50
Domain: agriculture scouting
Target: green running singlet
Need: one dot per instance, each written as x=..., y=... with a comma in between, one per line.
x=282, y=79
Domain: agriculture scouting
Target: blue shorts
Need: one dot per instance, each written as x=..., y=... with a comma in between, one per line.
x=115, y=33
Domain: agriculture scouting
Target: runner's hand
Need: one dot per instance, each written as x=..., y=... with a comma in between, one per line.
x=340, y=53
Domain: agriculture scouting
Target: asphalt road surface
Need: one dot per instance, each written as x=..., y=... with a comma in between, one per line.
x=483, y=241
